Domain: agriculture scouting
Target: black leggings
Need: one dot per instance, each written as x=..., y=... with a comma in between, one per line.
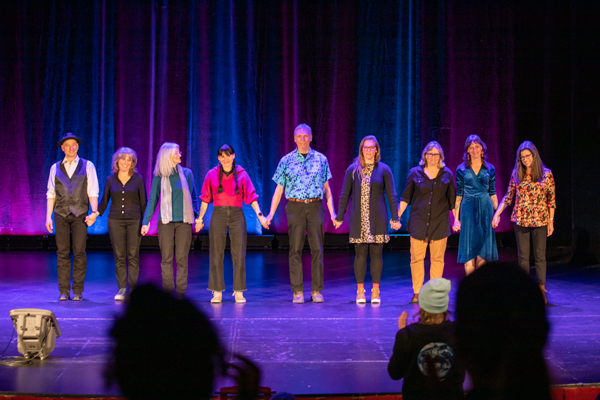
x=360, y=261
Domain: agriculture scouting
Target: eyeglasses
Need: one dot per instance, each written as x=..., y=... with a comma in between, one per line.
x=369, y=148
x=527, y=157
x=433, y=155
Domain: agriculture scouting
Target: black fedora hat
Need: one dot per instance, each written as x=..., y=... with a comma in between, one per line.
x=67, y=137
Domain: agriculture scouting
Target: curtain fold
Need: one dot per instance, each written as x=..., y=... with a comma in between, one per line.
x=246, y=72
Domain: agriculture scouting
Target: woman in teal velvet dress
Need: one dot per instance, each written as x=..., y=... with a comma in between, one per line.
x=476, y=201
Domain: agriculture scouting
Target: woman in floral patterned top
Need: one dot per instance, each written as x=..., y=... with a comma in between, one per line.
x=533, y=213
x=368, y=180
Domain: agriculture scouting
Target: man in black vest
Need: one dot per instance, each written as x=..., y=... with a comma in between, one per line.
x=72, y=184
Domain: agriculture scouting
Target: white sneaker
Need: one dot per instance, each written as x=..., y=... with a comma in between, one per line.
x=217, y=297
x=239, y=296
x=121, y=295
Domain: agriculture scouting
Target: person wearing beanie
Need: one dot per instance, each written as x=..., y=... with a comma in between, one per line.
x=424, y=352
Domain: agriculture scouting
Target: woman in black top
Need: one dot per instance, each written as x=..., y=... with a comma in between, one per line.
x=127, y=192
x=430, y=189
x=368, y=181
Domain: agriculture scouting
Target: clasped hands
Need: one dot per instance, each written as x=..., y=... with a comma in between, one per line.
x=90, y=219
x=456, y=225
x=495, y=221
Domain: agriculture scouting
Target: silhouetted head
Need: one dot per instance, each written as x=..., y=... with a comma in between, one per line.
x=165, y=348
x=501, y=330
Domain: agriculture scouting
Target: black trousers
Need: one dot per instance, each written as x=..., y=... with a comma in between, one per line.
x=538, y=237
x=224, y=217
x=178, y=234
x=63, y=228
x=125, y=237
x=360, y=261
x=306, y=219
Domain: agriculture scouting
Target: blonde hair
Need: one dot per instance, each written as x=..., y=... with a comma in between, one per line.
x=164, y=159
x=359, y=162
x=124, y=152
x=429, y=146
x=537, y=166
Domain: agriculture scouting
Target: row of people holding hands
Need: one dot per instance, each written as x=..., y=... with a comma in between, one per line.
x=303, y=177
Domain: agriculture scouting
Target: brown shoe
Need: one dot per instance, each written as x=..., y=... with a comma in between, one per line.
x=543, y=289
x=316, y=296
x=298, y=298
x=360, y=296
x=375, y=296
x=415, y=298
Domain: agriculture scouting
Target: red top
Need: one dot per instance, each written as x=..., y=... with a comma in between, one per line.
x=247, y=193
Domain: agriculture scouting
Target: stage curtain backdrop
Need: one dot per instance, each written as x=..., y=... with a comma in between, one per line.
x=201, y=74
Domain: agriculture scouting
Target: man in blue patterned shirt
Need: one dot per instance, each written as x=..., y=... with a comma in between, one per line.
x=304, y=176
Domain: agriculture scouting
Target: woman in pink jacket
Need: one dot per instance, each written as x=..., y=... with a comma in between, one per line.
x=229, y=187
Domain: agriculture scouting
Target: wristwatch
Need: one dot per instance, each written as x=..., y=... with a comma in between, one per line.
x=96, y=212
x=260, y=214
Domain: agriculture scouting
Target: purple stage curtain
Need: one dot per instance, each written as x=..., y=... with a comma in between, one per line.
x=205, y=73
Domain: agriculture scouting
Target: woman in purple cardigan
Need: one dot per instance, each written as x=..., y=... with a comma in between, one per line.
x=368, y=181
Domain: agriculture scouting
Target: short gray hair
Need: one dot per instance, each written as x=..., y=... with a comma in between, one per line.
x=303, y=127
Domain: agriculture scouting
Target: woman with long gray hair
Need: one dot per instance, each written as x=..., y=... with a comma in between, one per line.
x=178, y=206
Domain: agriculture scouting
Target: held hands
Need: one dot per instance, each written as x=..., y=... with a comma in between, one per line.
x=395, y=224
x=90, y=219
x=268, y=220
x=145, y=229
x=495, y=221
x=550, y=227
x=335, y=222
x=263, y=222
x=402, y=320
x=199, y=225
x=49, y=224
x=456, y=226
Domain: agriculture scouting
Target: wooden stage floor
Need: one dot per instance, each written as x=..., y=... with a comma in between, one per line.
x=336, y=347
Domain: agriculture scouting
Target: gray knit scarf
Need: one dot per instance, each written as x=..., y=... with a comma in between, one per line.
x=166, y=202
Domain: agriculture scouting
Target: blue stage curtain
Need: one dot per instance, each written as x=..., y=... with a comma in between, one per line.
x=201, y=74
x=204, y=73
